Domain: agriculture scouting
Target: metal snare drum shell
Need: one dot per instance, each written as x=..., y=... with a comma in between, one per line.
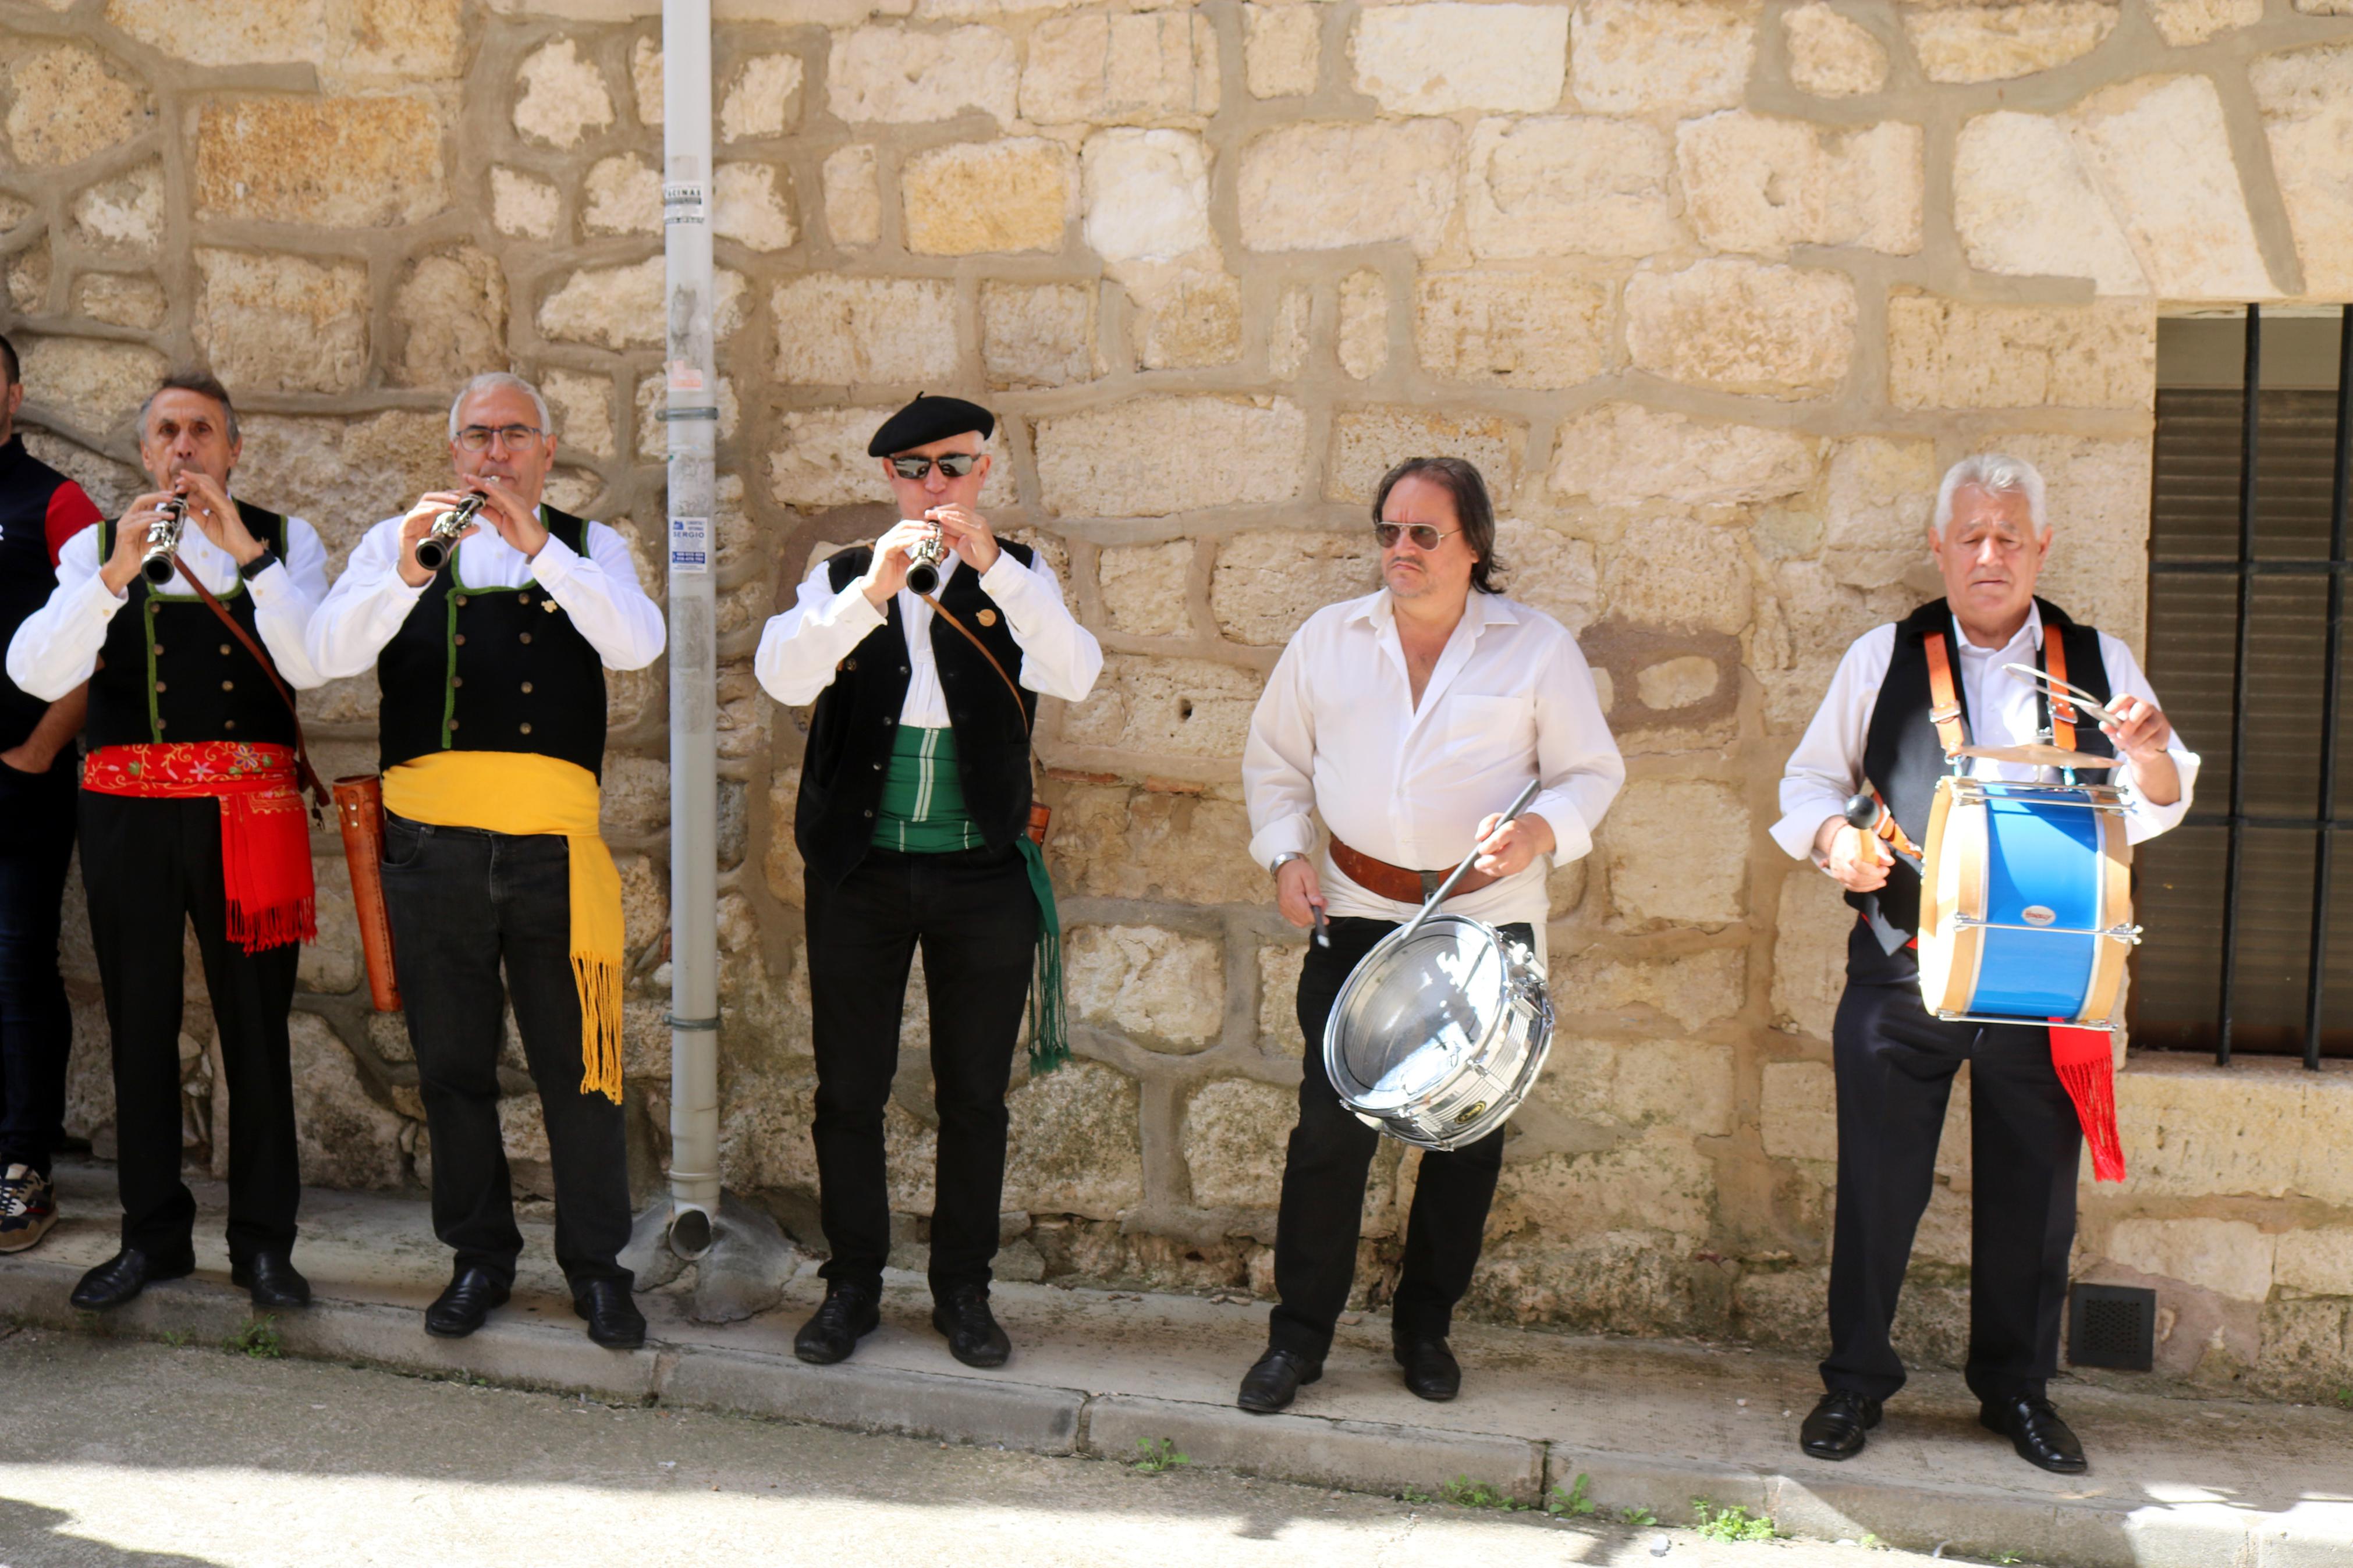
x=1436, y=1041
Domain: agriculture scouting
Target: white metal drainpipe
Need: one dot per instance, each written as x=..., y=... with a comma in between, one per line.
x=693, y=418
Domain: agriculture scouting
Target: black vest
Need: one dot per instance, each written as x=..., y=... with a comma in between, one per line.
x=28, y=486
x=1902, y=759
x=856, y=718
x=170, y=672
x=493, y=669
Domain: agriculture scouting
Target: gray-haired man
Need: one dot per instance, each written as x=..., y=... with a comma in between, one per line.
x=1895, y=1062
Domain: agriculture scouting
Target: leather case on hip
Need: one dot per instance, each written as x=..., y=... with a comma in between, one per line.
x=359, y=806
x=1407, y=887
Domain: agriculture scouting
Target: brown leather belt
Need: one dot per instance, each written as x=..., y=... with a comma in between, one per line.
x=1407, y=887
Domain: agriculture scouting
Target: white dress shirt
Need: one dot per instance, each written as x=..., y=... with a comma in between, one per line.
x=599, y=590
x=800, y=647
x=2003, y=711
x=1337, y=732
x=56, y=648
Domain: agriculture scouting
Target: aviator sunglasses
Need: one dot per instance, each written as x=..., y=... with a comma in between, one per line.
x=1425, y=535
x=954, y=464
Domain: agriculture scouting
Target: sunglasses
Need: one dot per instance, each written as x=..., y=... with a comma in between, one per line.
x=1425, y=535
x=954, y=464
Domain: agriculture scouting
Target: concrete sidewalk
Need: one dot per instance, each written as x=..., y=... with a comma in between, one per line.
x=1653, y=1424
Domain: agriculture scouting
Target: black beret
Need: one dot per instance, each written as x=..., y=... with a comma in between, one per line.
x=930, y=419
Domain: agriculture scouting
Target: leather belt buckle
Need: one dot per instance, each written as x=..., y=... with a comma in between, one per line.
x=1430, y=882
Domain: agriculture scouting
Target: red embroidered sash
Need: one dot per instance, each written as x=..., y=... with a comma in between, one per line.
x=265, y=839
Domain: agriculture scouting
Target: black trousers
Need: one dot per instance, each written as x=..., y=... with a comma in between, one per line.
x=149, y=868
x=36, y=838
x=464, y=903
x=974, y=916
x=1324, y=1186
x=1894, y=1062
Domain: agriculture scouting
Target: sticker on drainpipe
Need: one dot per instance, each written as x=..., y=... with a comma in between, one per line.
x=690, y=544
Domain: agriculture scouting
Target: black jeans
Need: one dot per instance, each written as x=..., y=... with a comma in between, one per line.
x=462, y=902
x=976, y=918
x=1324, y=1186
x=149, y=868
x=1895, y=1062
x=36, y=840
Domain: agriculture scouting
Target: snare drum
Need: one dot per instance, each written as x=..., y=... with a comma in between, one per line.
x=2026, y=902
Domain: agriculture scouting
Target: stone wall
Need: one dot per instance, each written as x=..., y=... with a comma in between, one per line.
x=1712, y=292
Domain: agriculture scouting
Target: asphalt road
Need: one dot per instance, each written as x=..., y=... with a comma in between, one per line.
x=126, y=1455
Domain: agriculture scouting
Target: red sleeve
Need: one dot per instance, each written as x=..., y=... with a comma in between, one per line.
x=70, y=511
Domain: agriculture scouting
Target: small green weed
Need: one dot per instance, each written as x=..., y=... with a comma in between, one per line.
x=1870, y=1543
x=1637, y=1516
x=2344, y=1397
x=1464, y=1492
x=1574, y=1503
x=1734, y=1524
x=258, y=1339
x=1155, y=1455
x=1415, y=1495
x=178, y=1338
x=2009, y=1558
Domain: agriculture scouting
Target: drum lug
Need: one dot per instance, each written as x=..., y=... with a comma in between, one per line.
x=2129, y=935
x=1376, y=1124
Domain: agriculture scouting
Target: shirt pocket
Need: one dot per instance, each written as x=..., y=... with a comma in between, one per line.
x=1490, y=733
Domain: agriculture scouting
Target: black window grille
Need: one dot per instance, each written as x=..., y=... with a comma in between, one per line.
x=2249, y=946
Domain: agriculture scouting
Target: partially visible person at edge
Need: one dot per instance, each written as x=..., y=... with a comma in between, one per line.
x=41, y=509
x=1894, y=1061
x=189, y=810
x=492, y=726
x=914, y=799
x=1406, y=720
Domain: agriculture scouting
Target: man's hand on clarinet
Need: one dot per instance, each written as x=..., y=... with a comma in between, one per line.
x=968, y=534
x=1298, y=892
x=131, y=542
x=418, y=523
x=217, y=516
x=887, y=573
x=1854, y=859
x=1508, y=850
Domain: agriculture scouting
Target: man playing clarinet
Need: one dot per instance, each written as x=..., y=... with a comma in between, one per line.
x=1407, y=720
x=189, y=810
x=925, y=670
x=490, y=640
x=1903, y=696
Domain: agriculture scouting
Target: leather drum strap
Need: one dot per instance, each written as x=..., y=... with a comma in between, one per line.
x=303, y=775
x=2062, y=715
x=1041, y=814
x=1945, y=706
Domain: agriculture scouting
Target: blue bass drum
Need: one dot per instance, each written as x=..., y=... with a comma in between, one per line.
x=2026, y=903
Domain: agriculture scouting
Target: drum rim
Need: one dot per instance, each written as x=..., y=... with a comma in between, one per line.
x=1358, y=978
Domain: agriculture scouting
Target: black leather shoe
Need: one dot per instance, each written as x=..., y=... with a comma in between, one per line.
x=2034, y=1429
x=459, y=1309
x=1834, y=1427
x=849, y=1313
x=973, y=1338
x=272, y=1280
x=122, y=1276
x=614, y=1321
x=1431, y=1369
x=1276, y=1380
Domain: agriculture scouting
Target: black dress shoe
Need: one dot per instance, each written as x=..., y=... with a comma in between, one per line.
x=849, y=1313
x=1276, y=1380
x=1834, y=1427
x=459, y=1309
x=973, y=1338
x=122, y=1276
x=2034, y=1429
x=1431, y=1369
x=614, y=1321
x=272, y=1280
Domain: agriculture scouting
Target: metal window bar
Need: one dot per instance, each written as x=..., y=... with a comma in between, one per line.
x=2324, y=822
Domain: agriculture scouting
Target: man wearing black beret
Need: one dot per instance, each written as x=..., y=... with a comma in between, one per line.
x=914, y=805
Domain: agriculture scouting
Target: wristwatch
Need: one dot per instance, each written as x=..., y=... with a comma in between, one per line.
x=259, y=564
x=1282, y=859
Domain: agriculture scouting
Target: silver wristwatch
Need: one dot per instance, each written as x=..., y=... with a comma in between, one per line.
x=1282, y=859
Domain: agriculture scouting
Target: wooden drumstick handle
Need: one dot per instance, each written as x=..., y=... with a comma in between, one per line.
x=1863, y=811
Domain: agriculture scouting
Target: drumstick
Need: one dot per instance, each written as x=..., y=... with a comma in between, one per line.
x=1863, y=811
x=2073, y=696
x=1463, y=871
x=1323, y=926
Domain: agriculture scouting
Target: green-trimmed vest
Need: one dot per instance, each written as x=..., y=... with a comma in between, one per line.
x=168, y=671
x=856, y=721
x=493, y=669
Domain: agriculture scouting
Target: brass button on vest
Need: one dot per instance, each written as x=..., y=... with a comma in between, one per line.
x=159, y=647
x=457, y=680
x=453, y=724
x=526, y=637
x=526, y=729
x=459, y=599
x=228, y=723
x=223, y=650
x=523, y=598
x=461, y=639
x=526, y=689
x=229, y=686
x=160, y=687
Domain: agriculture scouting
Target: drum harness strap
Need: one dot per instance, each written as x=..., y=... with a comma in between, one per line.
x=2082, y=1057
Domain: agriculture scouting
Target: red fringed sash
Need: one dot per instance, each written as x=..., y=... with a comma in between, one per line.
x=2088, y=1071
x=265, y=839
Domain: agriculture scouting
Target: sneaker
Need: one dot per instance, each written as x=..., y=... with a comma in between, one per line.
x=28, y=1207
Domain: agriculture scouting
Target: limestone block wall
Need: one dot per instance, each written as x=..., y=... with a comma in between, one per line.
x=1712, y=291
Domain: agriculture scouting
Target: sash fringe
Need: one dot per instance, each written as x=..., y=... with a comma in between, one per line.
x=1050, y=1009
x=600, y=981
x=2086, y=1068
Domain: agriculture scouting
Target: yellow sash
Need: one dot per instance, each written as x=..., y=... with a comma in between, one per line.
x=525, y=793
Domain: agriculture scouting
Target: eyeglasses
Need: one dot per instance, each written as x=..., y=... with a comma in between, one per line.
x=954, y=464
x=476, y=437
x=1425, y=535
